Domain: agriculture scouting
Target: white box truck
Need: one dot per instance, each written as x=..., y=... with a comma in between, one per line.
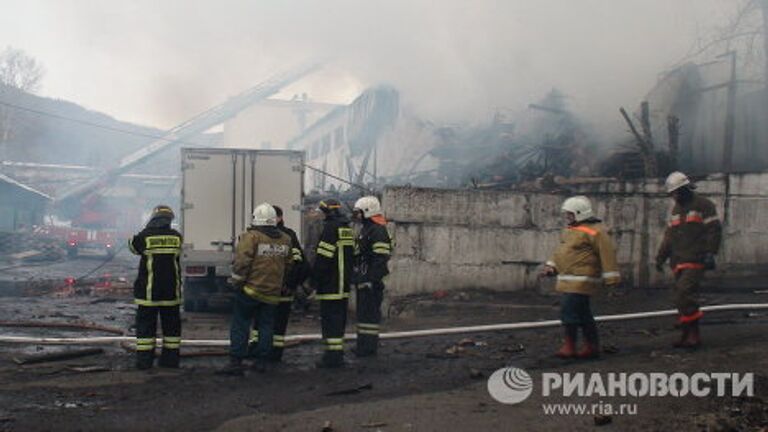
x=220, y=188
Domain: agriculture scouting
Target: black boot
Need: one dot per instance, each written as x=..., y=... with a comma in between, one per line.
x=367, y=345
x=275, y=355
x=144, y=359
x=331, y=360
x=169, y=358
x=233, y=368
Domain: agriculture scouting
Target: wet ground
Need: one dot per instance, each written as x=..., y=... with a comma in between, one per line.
x=429, y=383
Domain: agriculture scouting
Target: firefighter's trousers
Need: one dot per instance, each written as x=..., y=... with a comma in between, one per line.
x=146, y=330
x=369, y=318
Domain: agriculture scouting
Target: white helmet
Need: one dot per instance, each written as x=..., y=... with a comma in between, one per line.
x=579, y=206
x=676, y=180
x=369, y=205
x=264, y=215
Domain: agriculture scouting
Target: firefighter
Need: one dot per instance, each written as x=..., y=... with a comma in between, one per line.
x=297, y=275
x=331, y=278
x=691, y=241
x=157, y=289
x=584, y=261
x=373, y=249
x=262, y=259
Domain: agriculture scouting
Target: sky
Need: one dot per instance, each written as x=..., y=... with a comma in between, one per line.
x=158, y=63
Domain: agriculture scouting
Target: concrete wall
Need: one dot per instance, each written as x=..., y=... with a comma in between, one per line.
x=458, y=239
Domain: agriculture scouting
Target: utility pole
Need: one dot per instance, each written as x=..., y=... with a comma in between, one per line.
x=730, y=116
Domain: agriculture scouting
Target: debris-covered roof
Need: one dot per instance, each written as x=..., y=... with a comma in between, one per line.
x=6, y=179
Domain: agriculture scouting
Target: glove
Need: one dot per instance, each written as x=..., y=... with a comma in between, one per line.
x=235, y=283
x=547, y=271
x=709, y=262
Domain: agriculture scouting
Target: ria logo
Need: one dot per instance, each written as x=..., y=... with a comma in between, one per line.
x=510, y=385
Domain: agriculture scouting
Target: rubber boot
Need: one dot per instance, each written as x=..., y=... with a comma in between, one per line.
x=233, y=368
x=331, y=360
x=685, y=333
x=169, y=358
x=366, y=345
x=694, y=337
x=275, y=355
x=591, y=349
x=568, y=350
x=145, y=359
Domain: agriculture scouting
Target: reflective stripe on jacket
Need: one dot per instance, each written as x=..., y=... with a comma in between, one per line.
x=262, y=259
x=693, y=231
x=159, y=280
x=585, y=259
x=372, y=253
x=334, y=259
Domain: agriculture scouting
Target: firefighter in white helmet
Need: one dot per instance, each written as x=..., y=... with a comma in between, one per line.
x=585, y=260
x=373, y=249
x=262, y=259
x=690, y=243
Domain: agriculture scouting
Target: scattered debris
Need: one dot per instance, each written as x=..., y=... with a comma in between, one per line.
x=514, y=349
x=454, y=350
x=466, y=342
x=86, y=369
x=351, y=391
x=327, y=426
x=439, y=294
x=77, y=326
x=761, y=292
x=56, y=356
x=610, y=349
x=475, y=374
x=373, y=425
x=602, y=420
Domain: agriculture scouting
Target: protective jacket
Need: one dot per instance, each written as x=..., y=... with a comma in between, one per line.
x=373, y=250
x=335, y=258
x=263, y=258
x=585, y=259
x=693, y=231
x=300, y=268
x=159, y=280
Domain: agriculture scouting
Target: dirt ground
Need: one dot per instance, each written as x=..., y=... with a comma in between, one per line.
x=421, y=384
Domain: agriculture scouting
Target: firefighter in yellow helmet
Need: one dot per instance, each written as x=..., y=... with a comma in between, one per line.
x=584, y=261
x=690, y=243
x=157, y=289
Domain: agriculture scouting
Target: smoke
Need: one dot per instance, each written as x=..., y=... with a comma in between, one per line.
x=158, y=63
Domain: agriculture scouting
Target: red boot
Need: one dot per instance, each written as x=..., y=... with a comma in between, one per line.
x=694, y=338
x=591, y=348
x=689, y=324
x=568, y=350
x=684, y=336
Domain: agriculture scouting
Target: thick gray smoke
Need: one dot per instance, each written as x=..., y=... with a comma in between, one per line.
x=453, y=60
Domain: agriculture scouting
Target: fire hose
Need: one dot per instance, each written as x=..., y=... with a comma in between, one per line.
x=101, y=340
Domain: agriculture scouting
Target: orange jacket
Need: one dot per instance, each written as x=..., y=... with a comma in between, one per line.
x=585, y=259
